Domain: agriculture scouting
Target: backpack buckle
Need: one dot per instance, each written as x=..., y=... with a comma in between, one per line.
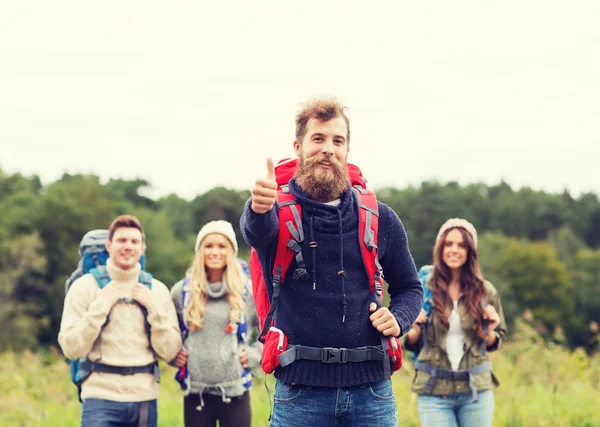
x=378, y=288
x=334, y=355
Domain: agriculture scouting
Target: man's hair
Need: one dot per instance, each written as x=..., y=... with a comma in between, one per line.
x=322, y=109
x=125, y=221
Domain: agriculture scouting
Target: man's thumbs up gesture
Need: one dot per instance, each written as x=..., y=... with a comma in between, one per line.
x=265, y=190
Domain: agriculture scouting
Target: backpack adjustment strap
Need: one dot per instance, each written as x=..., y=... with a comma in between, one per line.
x=378, y=291
x=300, y=273
x=330, y=354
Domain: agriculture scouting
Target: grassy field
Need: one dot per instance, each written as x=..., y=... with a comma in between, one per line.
x=542, y=385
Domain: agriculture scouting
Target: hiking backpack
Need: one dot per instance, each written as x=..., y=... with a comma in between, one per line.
x=290, y=236
x=93, y=256
x=240, y=329
x=93, y=253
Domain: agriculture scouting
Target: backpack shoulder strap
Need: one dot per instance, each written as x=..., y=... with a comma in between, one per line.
x=368, y=212
x=242, y=324
x=146, y=279
x=291, y=234
x=186, y=294
x=425, y=274
x=368, y=229
x=100, y=273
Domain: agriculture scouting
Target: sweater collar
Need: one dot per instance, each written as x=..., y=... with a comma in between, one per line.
x=118, y=274
x=216, y=290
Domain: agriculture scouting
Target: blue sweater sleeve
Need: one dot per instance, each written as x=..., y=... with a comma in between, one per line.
x=399, y=270
x=259, y=230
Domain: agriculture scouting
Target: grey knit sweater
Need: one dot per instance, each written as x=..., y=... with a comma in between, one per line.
x=213, y=355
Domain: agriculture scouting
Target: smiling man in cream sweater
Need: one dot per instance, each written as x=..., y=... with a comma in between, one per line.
x=142, y=325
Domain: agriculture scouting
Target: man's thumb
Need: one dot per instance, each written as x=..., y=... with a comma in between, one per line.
x=372, y=307
x=270, y=169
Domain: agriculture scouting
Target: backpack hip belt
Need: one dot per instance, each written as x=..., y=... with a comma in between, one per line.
x=466, y=375
x=331, y=354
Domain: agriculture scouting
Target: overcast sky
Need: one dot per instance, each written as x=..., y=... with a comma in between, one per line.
x=191, y=95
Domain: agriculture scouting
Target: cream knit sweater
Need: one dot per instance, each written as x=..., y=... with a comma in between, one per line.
x=124, y=340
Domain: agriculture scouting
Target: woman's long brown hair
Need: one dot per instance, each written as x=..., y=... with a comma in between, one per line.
x=471, y=283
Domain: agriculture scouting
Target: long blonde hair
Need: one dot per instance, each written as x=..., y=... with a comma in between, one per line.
x=233, y=279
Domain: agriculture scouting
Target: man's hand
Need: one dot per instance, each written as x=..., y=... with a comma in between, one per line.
x=384, y=321
x=265, y=191
x=110, y=293
x=244, y=358
x=143, y=295
x=181, y=358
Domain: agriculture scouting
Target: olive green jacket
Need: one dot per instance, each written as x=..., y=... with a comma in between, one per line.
x=473, y=355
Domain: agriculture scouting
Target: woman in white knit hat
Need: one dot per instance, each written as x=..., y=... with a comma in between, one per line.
x=212, y=302
x=461, y=321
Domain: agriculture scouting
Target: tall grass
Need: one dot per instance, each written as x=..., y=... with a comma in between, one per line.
x=542, y=385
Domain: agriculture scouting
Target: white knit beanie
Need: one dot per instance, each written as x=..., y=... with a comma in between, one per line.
x=458, y=223
x=222, y=227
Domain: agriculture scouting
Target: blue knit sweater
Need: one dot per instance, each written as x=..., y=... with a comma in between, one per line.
x=315, y=317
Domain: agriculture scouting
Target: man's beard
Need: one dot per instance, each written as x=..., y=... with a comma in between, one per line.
x=320, y=184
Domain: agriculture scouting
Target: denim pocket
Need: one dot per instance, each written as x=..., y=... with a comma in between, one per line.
x=382, y=390
x=286, y=394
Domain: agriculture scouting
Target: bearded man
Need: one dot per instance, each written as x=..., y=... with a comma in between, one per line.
x=331, y=307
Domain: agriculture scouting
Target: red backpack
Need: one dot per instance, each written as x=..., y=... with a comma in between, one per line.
x=288, y=248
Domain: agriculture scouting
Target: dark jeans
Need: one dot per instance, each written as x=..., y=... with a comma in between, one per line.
x=108, y=413
x=365, y=406
x=236, y=413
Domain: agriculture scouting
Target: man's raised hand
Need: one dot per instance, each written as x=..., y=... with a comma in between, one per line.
x=264, y=191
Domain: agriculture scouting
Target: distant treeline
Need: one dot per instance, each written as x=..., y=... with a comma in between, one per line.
x=541, y=250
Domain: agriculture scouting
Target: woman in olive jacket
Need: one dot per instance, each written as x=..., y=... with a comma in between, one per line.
x=462, y=320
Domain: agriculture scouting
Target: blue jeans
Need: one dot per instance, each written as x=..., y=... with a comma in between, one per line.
x=459, y=408
x=302, y=406
x=108, y=413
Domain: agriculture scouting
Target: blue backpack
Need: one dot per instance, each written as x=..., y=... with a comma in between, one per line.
x=93, y=256
x=182, y=376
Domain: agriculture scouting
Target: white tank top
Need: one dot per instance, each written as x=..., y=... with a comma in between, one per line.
x=455, y=340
